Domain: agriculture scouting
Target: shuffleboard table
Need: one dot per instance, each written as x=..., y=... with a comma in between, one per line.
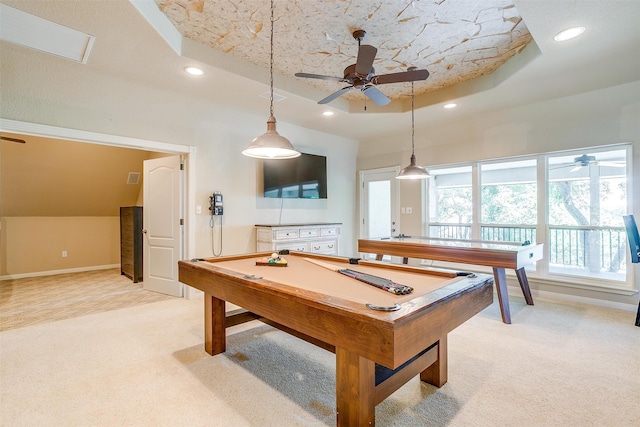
x=497, y=255
x=380, y=339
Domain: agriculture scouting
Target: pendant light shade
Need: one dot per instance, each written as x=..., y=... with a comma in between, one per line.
x=413, y=171
x=271, y=145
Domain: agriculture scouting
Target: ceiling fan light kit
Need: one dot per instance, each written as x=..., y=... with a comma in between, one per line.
x=271, y=145
x=413, y=171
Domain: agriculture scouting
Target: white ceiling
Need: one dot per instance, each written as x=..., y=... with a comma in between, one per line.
x=127, y=47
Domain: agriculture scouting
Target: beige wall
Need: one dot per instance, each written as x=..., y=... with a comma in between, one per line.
x=603, y=117
x=60, y=195
x=148, y=112
x=35, y=244
x=222, y=167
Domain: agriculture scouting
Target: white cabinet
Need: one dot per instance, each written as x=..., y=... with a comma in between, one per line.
x=319, y=238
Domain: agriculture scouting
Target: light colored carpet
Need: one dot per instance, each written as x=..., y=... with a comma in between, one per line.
x=41, y=299
x=556, y=365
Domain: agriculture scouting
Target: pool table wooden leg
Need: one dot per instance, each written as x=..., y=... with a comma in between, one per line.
x=436, y=374
x=355, y=389
x=524, y=284
x=215, y=336
x=500, y=278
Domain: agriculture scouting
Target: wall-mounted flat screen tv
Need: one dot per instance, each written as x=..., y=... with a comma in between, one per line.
x=303, y=177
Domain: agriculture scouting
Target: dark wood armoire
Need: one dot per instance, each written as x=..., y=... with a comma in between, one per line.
x=131, y=242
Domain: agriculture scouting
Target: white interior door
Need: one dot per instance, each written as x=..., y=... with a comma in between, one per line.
x=378, y=203
x=162, y=214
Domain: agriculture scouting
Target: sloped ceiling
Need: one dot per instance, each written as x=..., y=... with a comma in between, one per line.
x=49, y=177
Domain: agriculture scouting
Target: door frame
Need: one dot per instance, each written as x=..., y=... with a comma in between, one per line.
x=188, y=152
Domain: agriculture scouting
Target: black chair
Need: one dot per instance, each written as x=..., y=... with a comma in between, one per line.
x=634, y=246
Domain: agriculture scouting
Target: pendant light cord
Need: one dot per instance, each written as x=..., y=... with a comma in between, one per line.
x=412, y=122
x=271, y=64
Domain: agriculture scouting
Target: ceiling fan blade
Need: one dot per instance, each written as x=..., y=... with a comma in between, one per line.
x=334, y=95
x=376, y=96
x=6, y=138
x=576, y=168
x=405, y=76
x=366, y=56
x=319, y=76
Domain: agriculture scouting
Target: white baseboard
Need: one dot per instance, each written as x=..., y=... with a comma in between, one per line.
x=53, y=272
x=192, y=293
x=575, y=299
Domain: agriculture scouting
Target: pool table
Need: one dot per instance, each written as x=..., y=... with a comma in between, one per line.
x=497, y=255
x=380, y=340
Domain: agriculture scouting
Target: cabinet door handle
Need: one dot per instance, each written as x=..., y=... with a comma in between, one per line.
x=317, y=248
x=330, y=246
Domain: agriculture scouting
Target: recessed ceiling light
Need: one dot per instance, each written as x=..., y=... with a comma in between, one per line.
x=451, y=105
x=569, y=34
x=328, y=113
x=194, y=71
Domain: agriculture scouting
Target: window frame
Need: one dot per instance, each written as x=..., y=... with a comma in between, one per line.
x=541, y=271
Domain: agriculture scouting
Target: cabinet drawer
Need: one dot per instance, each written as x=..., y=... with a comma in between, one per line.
x=328, y=247
x=309, y=232
x=293, y=246
x=333, y=231
x=286, y=234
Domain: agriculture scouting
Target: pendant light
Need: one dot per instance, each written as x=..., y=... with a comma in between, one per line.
x=271, y=145
x=413, y=171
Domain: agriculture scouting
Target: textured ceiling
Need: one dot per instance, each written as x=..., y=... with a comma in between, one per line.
x=142, y=53
x=455, y=40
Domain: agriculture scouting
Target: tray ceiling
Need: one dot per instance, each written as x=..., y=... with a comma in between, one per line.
x=454, y=40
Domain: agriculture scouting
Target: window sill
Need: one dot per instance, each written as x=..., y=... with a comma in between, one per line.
x=582, y=283
x=585, y=284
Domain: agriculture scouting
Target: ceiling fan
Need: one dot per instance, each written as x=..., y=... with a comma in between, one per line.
x=6, y=138
x=361, y=75
x=587, y=160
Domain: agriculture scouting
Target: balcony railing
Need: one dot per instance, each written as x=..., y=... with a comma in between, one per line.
x=450, y=231
x=595, y=249
x=579, y=250
x=493, y=233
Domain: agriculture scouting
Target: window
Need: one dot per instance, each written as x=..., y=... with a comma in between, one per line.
x=451, y=203
x=572, y=202
x=509, y=201
x=587, y=198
